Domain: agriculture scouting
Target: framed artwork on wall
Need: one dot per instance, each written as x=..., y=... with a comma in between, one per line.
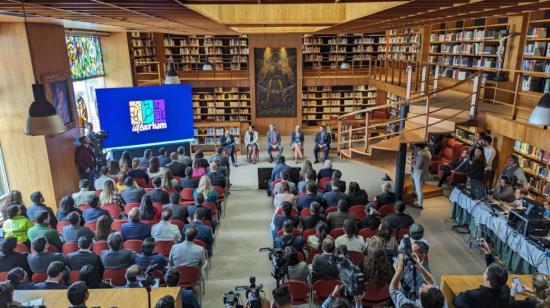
x=59, y=91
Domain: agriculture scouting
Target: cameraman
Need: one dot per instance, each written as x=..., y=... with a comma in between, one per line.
x=412, y=281
x=335, y=300
x=429, y=295
x=85, y=159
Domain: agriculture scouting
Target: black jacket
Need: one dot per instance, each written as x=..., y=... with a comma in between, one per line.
x=360, y=197
x=76, y=260
x=159, y=195
x=399, y=220
x=310, y=222
x=323, y=267
x=476, y=171
x=385, y=198
x=217, y=179
x=49, y=286
x=483, y=297
x=332, y=197
x=372, y=222
x=179, y=212
x=186, y=182
x=177, y=168
x=38, y=262
x=12, y=260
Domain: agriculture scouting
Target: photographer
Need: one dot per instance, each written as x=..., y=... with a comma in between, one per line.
x=336, y=300
x=412, y=281
x=428, y=296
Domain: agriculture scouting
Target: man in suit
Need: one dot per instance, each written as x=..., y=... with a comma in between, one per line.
x=78, y=294
x=305, y=201
x=39, y=206
x=184, y=159
x=421, y=171
x=302, y=185
x=332, y=197
x=42, y=229
x=323, y=267
x=199, y=200
x=179, y=212
x=281, y=165
x=188, y=181
x=460, y=165
x=131, y=194
x=399, y=219
x=11, y=259
x=144, y=161
x=74, y=231
x=220, y=159
x=94, y=212
x=187, y=253
x=285, y=178
x=386, y=197
x=227, y=142
x=336, y=174
x=85, y=194
x=85, y=160
x=336, y=219
x=55, y=277
x=84, y=256
x=157, y=194
x=164, y=159
x=309, y=222
x=273, y=142
x=115, y=257
x=177, y=168
x=204, y=232
x=216, y=177
x=135, y=229
x=322, y=143
x=38, y=261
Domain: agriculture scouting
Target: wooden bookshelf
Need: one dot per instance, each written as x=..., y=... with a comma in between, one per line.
x=535, y=63
x=222, y=105
x=403, y=44
x=144, y=59
x=534, y=163
x=330, y=51
x=321, y=103
x=224, y=53
x=208, y=134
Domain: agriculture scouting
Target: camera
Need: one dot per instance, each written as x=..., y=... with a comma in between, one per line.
x=149, y=278
x=252, y=293
x=232, y=299
x=350, y=274
x=279, y=261
x=407, y=251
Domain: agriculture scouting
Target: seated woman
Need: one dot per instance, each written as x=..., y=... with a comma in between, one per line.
x=283, y=196
x=169, y=183
x=206, y=189
x=321, y=232
x=66, y=206
x=154, y=168
x=384, y=239
x=198, y=169
x=251, y=142
x=147, y=210
x=278, y=220
x=296, y=269
x=351, y=239
x=227, y=142
x=378, y=268
x=356, y=195
x=297, y=143
x=110, y=195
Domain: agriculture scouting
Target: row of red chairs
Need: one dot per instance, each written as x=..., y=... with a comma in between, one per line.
x=357, y=210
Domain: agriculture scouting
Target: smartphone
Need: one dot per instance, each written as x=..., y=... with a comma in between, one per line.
x=516, y=284
x=475, y=244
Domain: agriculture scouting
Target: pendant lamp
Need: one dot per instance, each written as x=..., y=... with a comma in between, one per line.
x=541, y=114
x=171, y=75
x=43, y=120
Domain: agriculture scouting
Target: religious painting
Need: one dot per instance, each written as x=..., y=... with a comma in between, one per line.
x=275, y=72
x=59, y=91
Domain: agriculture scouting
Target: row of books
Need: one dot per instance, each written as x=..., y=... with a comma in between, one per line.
x=535, y=152
x=537, y=32
x=469, y=49
x=536, y=66
x=404, y=48
x=346, y=102
x=143, y=43
x=218, y=111
x=464, y=36
x=533, y=166
x=222, y=96
x=410, y=39
x=231, y=118
x=340, y=95
x=141, y=34
x=311, y=49
x=330, y=88
x=368, y=48
x=198, y=104
x=398, y=32
x=139, y=52
x=402, y=57
x=536, y=84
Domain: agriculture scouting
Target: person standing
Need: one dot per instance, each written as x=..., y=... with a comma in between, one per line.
x=85, y=159
x=297, y=143
x=322, y=143
x=227, y=142
x=273, y=142
x=490, y=154
x=251, y=143
x=420, y=171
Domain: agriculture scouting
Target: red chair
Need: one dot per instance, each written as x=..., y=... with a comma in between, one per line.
x=200, y=243
x=186, y=194
x=330, y=210
x=337, y=232
x=400, y=233
x=207, y=222
x=147, y=189
x=100, y=246
x=21, y=248
x=83, y=207
x=450, y=152
x=305, y=212
x=376, y=296
x=134, y=245
x=51, y=248
x=366, y=233
x=150, y=222
x=117, y=223
x=307, y=233
x=113, y=209
x=74, y=276
x=130, y=206
x=300, y=256
x=61, y=224
x=69, y=247
x=293, y=212
x=178, y=223
x=158, y=207
x=117, y=276
x=39, y=277
x=92, y=225
x=220, y=191
x=213, y=209
x=3, y=276
x=356, y=257
x=299, y=290
x=312, y=253
x=164, y=247
x=141, y=182
x=294, y=232
x=386, y=210
x=186, y=203
x=323, y=182
x=358, y=211
x=323, y=288
x=455, y=178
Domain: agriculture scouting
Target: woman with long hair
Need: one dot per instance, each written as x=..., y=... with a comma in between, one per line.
x=154, y=168
x=297, y=143
x=378, y=269
x=147, y=210
x=109, y=195
x=296, y=269
x=103, y=228
x=198, y=169
x=114, y=168
x=120, y=186
x=384, y=239
x=13, y=198
x=169, y=183
x=66, y=206
x=206, y=189
x=283, y=196
x=356, y=195
x=125, y=160
x=351, y=239
x=321, y=232
x=307, y=165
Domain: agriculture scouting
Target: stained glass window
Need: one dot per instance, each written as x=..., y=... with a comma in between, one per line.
x=84, y=56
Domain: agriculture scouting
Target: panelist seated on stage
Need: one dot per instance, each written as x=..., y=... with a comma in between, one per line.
x=273, y=142
x=322, y=144
x=227, y=142
x=503, y=191
x=251, y=138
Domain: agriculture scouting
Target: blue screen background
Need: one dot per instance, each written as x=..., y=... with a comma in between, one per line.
x=114, y=115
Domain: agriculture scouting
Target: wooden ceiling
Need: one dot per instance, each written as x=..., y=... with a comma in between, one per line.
x=183, y=17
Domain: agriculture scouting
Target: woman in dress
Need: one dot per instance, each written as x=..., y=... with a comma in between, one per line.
x=251, y=143
x=297, y=143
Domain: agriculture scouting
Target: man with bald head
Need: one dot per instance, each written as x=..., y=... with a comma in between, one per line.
x=216, y=177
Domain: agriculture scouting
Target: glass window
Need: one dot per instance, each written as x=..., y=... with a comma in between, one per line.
x=85, y=57
x=84, y=93
x=4, y=187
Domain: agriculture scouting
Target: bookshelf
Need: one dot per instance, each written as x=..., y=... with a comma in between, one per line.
x=224, y=53
x=208, y=134
x=536, y=54
x=222, y=104
x=534, y=162
x=466, y=134
x=320, y=103
x=143, y=55
x=403, y=44
x=461, y=47
x=330, y=51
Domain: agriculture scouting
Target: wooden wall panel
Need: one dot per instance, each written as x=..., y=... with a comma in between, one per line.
x=285, y=125
x=116, y=60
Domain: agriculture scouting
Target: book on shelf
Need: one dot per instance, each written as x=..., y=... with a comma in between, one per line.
x=536, y=32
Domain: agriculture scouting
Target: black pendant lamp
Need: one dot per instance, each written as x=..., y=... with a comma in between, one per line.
x=171, y=75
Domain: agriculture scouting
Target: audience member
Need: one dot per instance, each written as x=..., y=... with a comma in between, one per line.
x=157, y=194
x=199, y=204
x=144, y=161
x=116, y=257
x=461, y=165
x=13, y=198
x=503, y=191
x=309, y=222
x=131, y=276
x=198, y=169
x=285, y=178
x=78, y=294
x=187, y=253
x=102, y=228
x=332, y=197
x=55, y=277
x=199, y=155
x=114, y=167
x=386, y=197
x=103, y=176
x=277, y=221
x=384, y=239
x=94, y=212
x=66, y=206
x=399, y=219
x=42, y=229
x=38, y=260
x=19, y=279
x=164, y=158
x=84, y=256
x=219, y=158
x=16, y=225
x=370, y=220
x=274, y=144
x=493, y=292
x=306, y=179
x=166, y=301
x=177, y=167
x=164, y=230
x=147, y=209
x=11, y=259
x=378, y=269
x=305, y=201
x=323, y=266
x=38, y=206
x=307, y=166
x=148, y=256
x=336, y=219
x=6, y=295
x=513, y=171
x=336, y=175
x=85, y=195
x=182, y=157
x=92, y=278
x=126, y=159
x=326, y=171
x=204, y=232
x=296, y=269
x=350, y=239
x=136, y=172
x=134, y=229
x=188, y=181
x=131, y=194
x=169, y=183
x=205, y=188
x=178, y=211
x=356, y=195
x=109, y=194
x=288, y=238
x=281, y=297
x=279, y=167
x=172, y=278
x=315, y=241
x=283, y=196
x=216, y=178
x=154, y=168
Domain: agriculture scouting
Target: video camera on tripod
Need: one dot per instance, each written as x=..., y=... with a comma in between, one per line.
x=349, y=274
x=252, y=291
x=279, y=262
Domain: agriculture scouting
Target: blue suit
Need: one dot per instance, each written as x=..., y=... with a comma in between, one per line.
x=135, y=231
x=322, y=139
x=204, y=234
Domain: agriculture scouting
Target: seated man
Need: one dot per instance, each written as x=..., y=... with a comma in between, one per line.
x=492, y=293
x=19, y=279
x=399, y=219
x=370, y=220
x=135, y=229
x=215, y=176
x=285, y=176
x=131, y=276
x=144, y=161
x=42, y=229
x=177, y=168
x=183, y=158
x=336, y=219
x=309, y=222
x=55, y=277
x=164, y=230
x=136, y=172
x=322, y=144
x=288, y=238
x=336, y=174
x=305, y=201
x=172, y=279
x=188, y=181
x=75, y=231
x=302, y=185
x=179, y=212
x=131, y=194
x=503, y=191
x=199, y=201
x=204, y=232
x=38, y=206
x=273, y=143
x=460, y=165
x=322, y=266
x=94, y=212
x=99, y=183
x=11, y=259
x=386, y=197
x=187, y=253
x=41, y=258
x=278, y=220
x=78, y=294
x=163, y=157
x=157, y=193
x=326, y=171
x=115, y=257
x=84, y=256
x=85, y=194
x=332, y=197
x=148, y=256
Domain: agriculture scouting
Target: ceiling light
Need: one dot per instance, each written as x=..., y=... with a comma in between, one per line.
x=541, y=114
x=171, y=75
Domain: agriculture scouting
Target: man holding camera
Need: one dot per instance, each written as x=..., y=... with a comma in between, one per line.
x=411, y=280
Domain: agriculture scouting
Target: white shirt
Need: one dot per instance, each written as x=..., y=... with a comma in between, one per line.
x=100, y=181
x=356, y=243
x=155, y=174
x=490, y=154
x=165, y=231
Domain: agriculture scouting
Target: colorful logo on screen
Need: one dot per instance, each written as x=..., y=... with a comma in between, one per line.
x=147, y=115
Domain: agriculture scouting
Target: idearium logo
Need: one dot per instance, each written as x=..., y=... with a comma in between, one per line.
x=147, y=115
